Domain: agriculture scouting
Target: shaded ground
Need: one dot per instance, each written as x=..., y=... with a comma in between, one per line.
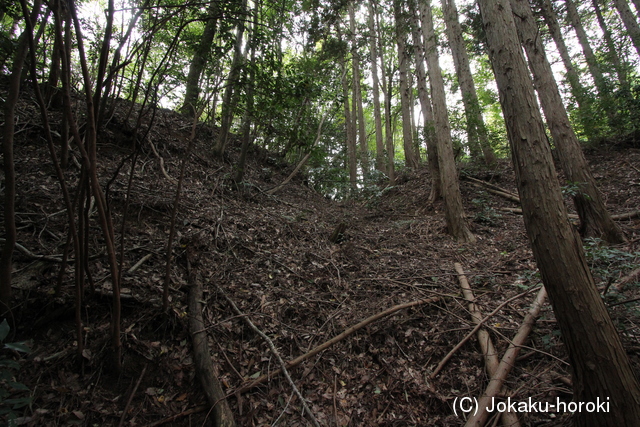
x=272, y=256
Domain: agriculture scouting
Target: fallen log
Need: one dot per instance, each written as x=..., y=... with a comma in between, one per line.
x=489, y=351
x=206, y=371
x=507, y=363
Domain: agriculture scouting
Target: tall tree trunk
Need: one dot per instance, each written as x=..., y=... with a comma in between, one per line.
x=350, y=130
x=612, y=52
x=199, y=61
x=357, y=94
x=231, y=96
x=454, y=212
x=549, y=16
x=594, y=217
x=377, y=116
x=387, y=82
x=410, y=158
x=476, y=129
x=630, y=22
x=427, y=110
x=583, y=39
x=600, y=367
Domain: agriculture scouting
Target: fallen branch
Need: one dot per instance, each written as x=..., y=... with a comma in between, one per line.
x=494, y=189
x=274, y=351
x=139, y=263
x=506, y=364
x=626, y=280
x=133, y=393
x=473, y=331
x=161, y=161
x=222, y=415
x=486, y=345
x=332, y=341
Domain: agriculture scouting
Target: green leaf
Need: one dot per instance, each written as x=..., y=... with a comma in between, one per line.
x=4, y=329
x=18, y=346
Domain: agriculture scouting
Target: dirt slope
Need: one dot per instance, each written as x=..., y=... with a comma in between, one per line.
x=273, y=257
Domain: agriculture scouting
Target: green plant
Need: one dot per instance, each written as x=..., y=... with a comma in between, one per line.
x=9, y=386
x=608, y=262
x=572, y=189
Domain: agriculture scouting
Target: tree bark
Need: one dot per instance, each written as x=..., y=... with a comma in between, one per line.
x=476, y=129
x=600, y=366
x=630, y=22
x=594, y=217
x=454, y=212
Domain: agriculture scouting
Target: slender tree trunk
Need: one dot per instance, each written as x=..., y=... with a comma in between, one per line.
x=476, y=129
x=199, y=61
x=377, y=115
x=454, y=212
x=589, y=55
x=600, y=367
x=387, y=87
x=549, y=16
x=630, y=22
x=6, y=258
x=230, y=95
x=594, y=217
x=357, y=94
x=427, y=110
x=403, y=58
x=248, y=114
x=612, y=52
x=350, y=130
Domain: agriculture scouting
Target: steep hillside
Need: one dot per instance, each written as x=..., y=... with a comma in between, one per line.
x=272, y=256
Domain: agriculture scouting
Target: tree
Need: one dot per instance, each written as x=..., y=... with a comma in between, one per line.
x=476, y=129
x=630, y=22
x=600, y=367
x=549, y=16
x=358, y=109
x=425, y=104
x=377, y=116
x=594, y=217
x=199, y=61
x=410, y=157
x=454, y=212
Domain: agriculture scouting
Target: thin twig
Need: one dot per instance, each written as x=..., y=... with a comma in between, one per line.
x=133, y=393
x=274, y=351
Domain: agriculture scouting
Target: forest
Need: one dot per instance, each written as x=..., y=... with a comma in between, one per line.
x=320, y=212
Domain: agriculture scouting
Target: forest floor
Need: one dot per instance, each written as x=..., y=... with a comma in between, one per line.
x=271, y=255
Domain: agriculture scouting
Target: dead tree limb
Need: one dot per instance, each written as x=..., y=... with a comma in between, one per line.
x=486, y=345
x=222, y=415
x=453, y=351
x=337, y=338
x=508, y=361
